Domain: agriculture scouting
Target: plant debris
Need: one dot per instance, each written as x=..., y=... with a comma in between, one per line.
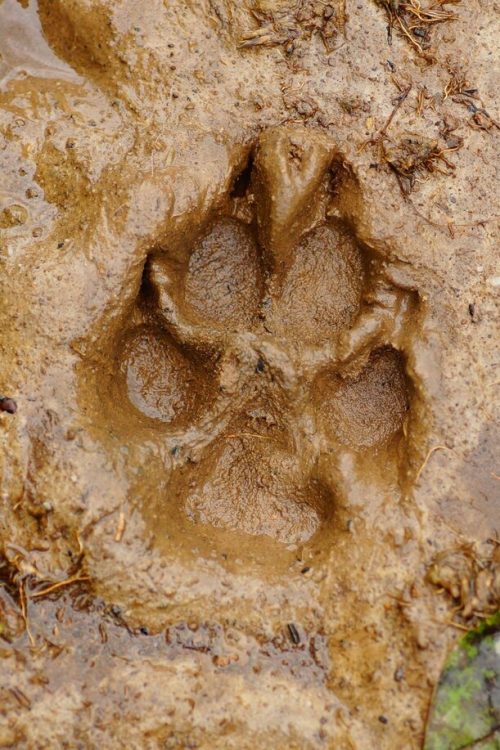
x=414, y=154
x=458, y=84
x=465, y=712
x=381, y=134
x=302, y=19
x=293, y=633
x=473, y=582
x=460, y=90
x=415, y=21
x=20, y=583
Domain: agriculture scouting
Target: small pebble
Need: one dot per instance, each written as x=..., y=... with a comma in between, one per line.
x=8, y=405
x=399, y=674
x=294, y=633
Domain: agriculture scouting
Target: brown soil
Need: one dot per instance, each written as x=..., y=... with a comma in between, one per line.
x=249, y=494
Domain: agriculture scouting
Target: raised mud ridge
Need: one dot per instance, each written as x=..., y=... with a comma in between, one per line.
x=264, y=356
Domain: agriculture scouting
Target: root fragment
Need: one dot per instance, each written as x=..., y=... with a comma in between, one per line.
x=415, y=22
x=426, y=461
x=58, y=585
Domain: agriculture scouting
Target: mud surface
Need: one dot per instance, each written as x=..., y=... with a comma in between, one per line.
x=249, y=324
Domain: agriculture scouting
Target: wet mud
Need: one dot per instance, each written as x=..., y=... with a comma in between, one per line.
x=248, y=368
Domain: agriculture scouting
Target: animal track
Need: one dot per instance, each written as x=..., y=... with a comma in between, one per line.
x=266, y=351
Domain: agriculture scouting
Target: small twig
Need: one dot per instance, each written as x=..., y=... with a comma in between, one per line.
x=402, y=602
x=399, y=102
x=455, y=625
x=420, y=102
x=24, y=611
x=437, y=225
x=452, y=624
x=249, y=434
x=119, y=209
x=410, y=37
x=431, y=451
x=383, y=130
x=121, y=527
x=22, y=699
x=58, y=585
x=480, y=742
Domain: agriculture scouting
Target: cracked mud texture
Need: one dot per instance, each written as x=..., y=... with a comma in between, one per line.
x=255, y=363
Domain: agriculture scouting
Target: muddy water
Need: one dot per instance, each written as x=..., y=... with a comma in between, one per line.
x=25, y=51
x=254, y=405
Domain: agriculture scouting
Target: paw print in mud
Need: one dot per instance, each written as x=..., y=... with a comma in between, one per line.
x=264, y=359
